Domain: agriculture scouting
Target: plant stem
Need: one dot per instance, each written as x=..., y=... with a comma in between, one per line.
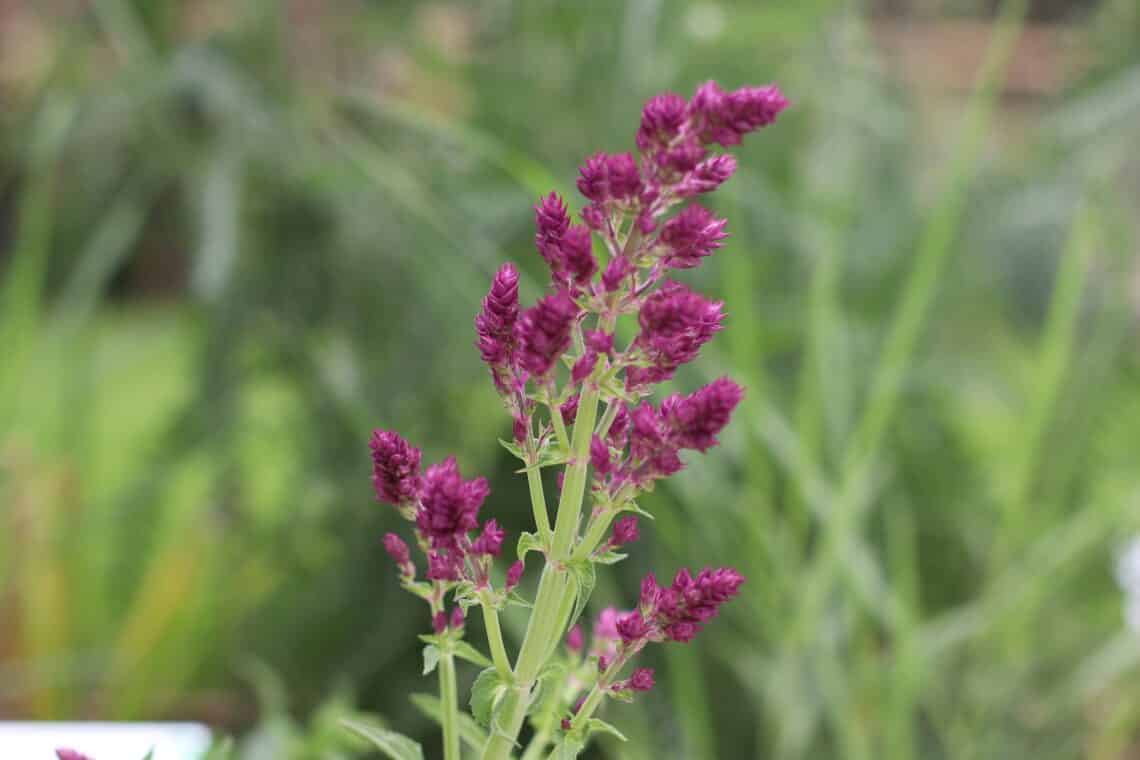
x=594, y=534
x=574, y=484
x=559, y=426
x=555, y=592
x=495, y=639
x=448, y=709
x=537, y=745
x=538, y=503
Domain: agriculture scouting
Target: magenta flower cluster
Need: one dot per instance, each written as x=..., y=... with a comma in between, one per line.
x=445, y=510
x=559, y=363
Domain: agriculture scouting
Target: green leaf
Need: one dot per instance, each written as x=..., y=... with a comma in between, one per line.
x=469, y=731
x=622, y=695
x=610, y=558
x=395, y=746
x=569, y=748
x=465, y=651
x=421, y=589
x=513, y=447
x=431, y=658
x=550, y=680
x=582, y=571
x=466, y=595
x=529, y=542
x=599, y=726
x=632, y=506
x=149, y=755
x=485, y=694
x=517, y=599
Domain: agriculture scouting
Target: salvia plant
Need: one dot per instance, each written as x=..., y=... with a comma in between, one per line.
x=579, y=402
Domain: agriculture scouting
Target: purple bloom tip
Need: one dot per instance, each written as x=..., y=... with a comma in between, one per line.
x=574, y=639
x=457, y=618
x=439, y=622
x=495, y=323
x=397, y=549
x=607, y=177
x=641, y=680
x=632, y=627
x=544, y=332
x=696, y=419
x=569, y=409
x=514, y=574
x=725, y=117
x=395, y=468
x=449, y=505
x=625, y=530
x=490, y=541
x=692, y=235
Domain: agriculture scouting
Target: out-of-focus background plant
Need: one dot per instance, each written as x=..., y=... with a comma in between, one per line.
x=235, y=236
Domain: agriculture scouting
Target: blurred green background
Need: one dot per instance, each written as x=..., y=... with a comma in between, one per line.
x=235, y=236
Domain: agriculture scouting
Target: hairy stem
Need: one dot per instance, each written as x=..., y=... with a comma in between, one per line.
x=495, y=639
x=538, y=503
x=448, y=709
x=574, y=483
x=555, y=592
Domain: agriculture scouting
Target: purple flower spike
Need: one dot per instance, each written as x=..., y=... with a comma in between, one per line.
x=675, y=323
x=616, y=272
x=576, y=256
x=649, y=591
x=514, y=575
x=551, y=221
x=708, y=175
x=632, y=627
x=395, y=468
x=691, y=235
x=450, y=505
x=696, y=419
x=582, y=368
x=544, y=332
x=607, y=177
x=569, y=410
x=490, y=541
x=599, y=342
x=495, y=324
x=600, y=457
x=575, y=640
x=690, y=602
x=457, y=618
x=444, y=566
x=661, y=121
x=439, y=622
x=641, y=680
x=625, y=531
x=725, y=117
x=398, y=551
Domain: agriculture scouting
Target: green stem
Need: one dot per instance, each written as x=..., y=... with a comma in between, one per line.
x=574, y=483
x=448, y=709
x=608, y=418
x=555, y=592
x=495, y=639
x=532, y=654
x=559, y=426
x=537, y=745
x=538, y=503
x=594, y=534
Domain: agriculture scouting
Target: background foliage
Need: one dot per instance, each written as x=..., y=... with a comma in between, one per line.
x=237, y=236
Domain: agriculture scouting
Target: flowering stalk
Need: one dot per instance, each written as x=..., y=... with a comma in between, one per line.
x=580, y=402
